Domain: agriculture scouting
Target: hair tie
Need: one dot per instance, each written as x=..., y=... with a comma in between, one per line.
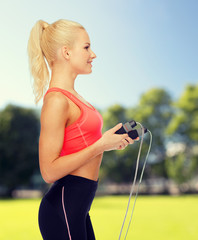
x=45, y=25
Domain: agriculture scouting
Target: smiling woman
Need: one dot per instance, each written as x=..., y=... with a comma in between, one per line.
x=71, y=144
x=44, y=42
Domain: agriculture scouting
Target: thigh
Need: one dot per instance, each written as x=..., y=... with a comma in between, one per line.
x=50, y=223
x=61, y=214
x=64, y=210
x=89, y=229
x=75, y=217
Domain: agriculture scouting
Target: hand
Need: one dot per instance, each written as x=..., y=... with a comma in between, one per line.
x=111, y=141
x=125, y=142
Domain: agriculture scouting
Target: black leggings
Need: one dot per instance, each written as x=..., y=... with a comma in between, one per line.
x=64, y=210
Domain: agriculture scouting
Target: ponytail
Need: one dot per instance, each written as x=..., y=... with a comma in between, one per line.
x=37, y=62
x=44, y=41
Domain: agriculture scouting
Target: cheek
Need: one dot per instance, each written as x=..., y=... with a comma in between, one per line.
x=75, y=60
x=80, y=57
x=80, y=63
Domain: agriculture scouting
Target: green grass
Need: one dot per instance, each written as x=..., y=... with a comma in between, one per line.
x=18, y=220
x=155, y=218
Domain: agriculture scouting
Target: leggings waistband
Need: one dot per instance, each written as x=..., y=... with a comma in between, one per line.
x=77, y=180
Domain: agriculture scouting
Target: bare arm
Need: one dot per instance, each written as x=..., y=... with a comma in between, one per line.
x=54, y=116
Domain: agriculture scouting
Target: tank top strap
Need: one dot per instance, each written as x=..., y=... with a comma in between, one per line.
x=67, y=94
x=73, y=98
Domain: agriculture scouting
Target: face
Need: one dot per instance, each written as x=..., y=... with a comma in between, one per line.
x=81, y=55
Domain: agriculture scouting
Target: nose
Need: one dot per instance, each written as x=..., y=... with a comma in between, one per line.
x=93, y=55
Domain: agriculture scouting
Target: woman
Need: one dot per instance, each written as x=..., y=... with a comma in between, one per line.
x=71, y=144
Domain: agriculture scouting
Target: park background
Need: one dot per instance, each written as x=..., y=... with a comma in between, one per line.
x=146, y=69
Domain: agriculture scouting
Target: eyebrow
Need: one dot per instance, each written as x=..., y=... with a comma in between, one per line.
x=87, y=43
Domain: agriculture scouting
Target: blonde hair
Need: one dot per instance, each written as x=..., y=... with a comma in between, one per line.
x=44, y=41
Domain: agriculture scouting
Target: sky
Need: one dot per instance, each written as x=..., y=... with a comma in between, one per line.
x=140, y=44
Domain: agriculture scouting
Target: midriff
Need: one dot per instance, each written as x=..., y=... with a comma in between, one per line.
x=90, y=170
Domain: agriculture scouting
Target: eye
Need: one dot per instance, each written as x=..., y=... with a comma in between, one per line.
x=87, y=47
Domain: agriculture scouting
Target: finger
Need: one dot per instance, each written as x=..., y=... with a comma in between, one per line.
x=117, y=127
x=137, y=139
x=125, y=142
x=130, y=140
x=122, y=144
x=121, y=147
x=124, y=136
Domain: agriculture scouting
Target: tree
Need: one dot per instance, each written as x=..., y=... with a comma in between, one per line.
x=183, y=128
x=184, y=124
x=180, y=168
x=154, y=111
x=19, y=133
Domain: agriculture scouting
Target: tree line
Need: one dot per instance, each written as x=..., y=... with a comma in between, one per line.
x=174, y=152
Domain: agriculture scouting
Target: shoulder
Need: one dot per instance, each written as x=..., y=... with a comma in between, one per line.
x=55, y=104
x=55, y=99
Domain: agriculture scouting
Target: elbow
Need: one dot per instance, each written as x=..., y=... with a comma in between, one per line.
x=47, y=177
x=48, y=180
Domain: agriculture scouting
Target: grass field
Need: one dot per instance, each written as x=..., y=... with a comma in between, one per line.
x=155, y=218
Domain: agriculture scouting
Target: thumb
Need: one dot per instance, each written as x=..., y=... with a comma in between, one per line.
x=117, y=127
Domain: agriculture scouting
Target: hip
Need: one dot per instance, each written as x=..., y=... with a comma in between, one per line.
x=78, y=192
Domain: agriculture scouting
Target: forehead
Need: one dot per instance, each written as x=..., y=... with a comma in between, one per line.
x=82, y=37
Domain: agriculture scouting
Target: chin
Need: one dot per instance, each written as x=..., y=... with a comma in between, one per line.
x=86, y=72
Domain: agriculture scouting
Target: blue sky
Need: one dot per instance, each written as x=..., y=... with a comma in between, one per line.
x=140, y=44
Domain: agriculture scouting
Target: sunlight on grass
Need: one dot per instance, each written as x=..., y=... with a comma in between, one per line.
x=18, y=220
x=172, y=218
x=161, y=218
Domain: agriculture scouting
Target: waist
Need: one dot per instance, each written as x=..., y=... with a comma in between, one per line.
x=89, y=170
x=75, y=180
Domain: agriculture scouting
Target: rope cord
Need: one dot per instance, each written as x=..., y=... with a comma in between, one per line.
x=139, y=183
x=134, y=181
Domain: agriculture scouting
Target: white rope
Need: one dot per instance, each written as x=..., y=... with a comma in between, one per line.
x=134, y=181
x=139, y=183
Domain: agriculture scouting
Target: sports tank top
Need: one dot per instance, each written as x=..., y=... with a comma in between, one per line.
x=86, y=130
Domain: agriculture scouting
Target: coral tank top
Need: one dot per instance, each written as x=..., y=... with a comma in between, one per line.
x=86, y=130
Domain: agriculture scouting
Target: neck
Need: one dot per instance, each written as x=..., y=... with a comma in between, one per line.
x=62, y=77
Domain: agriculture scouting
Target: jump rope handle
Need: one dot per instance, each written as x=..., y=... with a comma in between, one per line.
x=128, y=128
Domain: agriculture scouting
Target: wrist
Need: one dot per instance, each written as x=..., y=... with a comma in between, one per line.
x=100, y=147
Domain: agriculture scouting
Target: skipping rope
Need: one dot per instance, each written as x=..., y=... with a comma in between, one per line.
x=134, y=180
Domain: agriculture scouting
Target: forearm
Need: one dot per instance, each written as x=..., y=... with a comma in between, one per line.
x=64, y=165
x=53, y=167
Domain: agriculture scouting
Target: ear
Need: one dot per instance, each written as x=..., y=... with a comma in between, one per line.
x=65, y=52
